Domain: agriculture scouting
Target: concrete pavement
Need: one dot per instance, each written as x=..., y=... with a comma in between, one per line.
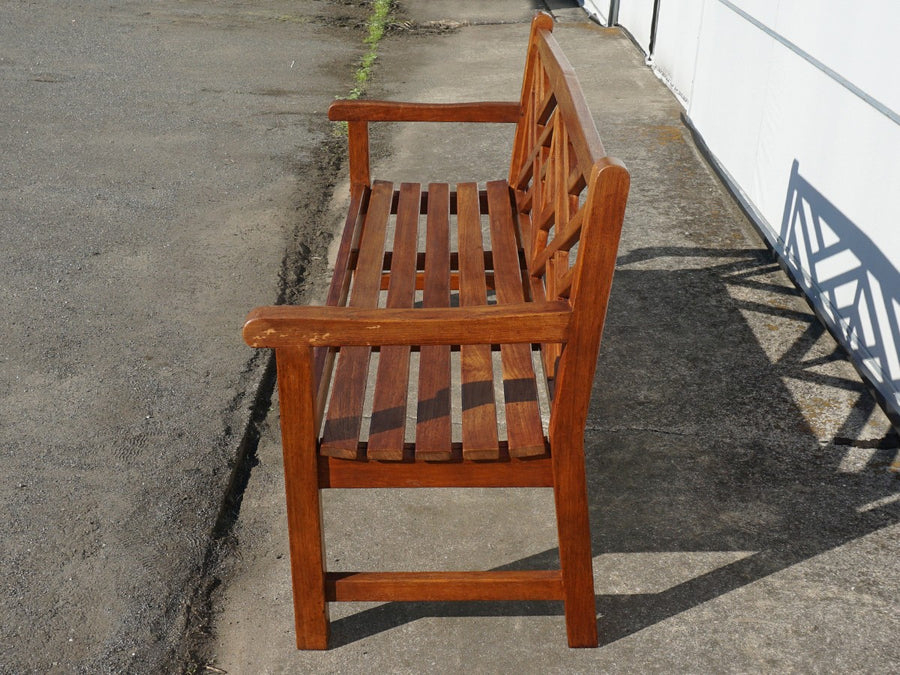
x=745, y=514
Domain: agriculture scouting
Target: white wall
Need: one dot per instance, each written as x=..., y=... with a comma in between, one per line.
x=637, y=16
x=798, y=102
x=675, y=53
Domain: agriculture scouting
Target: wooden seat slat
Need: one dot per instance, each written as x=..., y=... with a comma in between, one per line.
x=433, y=423
x=525, y=229
x=479, y=412
x=459, y=472
x=420, y=281
x=348, y=248
x=423, y=204
x=454, y=256
x=338, y=290
x=343, y=421
x=523, y=416
x=388, y=426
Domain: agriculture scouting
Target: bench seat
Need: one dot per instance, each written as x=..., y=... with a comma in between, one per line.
x=454, y=266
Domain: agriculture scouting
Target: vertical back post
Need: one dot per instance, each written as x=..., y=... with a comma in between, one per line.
x=607, y=191
x=596, y=262
x=541, y=21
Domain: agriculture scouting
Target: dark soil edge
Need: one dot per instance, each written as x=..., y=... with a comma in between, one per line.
x=304, y=261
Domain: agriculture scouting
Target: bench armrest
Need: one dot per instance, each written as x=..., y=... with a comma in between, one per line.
x=394, y=111
x=285, y=325
x=358, y=114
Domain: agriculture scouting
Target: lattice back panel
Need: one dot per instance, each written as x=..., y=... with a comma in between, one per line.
x=551, y=166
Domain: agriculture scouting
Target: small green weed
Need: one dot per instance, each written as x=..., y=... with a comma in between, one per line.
x=375, y=25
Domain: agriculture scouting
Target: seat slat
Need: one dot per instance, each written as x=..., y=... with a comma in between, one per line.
x=337, y=292
x=433, y=424
x=458, y=472
x=479, y=412
x=420, y=280
x=523, y=415
x=340, y=437
x=387, y=431
x=525, y=231
x=454, y=256
x=423, y=202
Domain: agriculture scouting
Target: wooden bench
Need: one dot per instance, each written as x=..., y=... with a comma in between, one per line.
x=541, y=288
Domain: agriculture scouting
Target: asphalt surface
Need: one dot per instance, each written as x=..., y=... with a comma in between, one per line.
x=160, y=164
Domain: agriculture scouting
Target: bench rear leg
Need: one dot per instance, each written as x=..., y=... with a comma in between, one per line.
x=570, y=492
x=304, y=513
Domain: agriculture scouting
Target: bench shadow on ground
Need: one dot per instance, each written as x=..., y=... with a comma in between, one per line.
x=740, y=462
x=705, y=439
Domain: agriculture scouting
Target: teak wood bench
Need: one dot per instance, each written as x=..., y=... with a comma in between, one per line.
x=564, y=200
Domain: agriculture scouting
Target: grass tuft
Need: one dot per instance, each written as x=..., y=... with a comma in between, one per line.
x=375, y=25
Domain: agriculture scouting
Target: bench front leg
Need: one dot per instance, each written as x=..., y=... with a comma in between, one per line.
x=304, y=512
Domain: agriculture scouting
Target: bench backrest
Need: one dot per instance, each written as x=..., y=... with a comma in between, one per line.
x=570, y=199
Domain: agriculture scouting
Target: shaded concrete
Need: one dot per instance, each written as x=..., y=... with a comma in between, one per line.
x=744, y=514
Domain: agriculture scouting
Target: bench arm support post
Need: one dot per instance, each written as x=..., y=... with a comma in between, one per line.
x=358, y=151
